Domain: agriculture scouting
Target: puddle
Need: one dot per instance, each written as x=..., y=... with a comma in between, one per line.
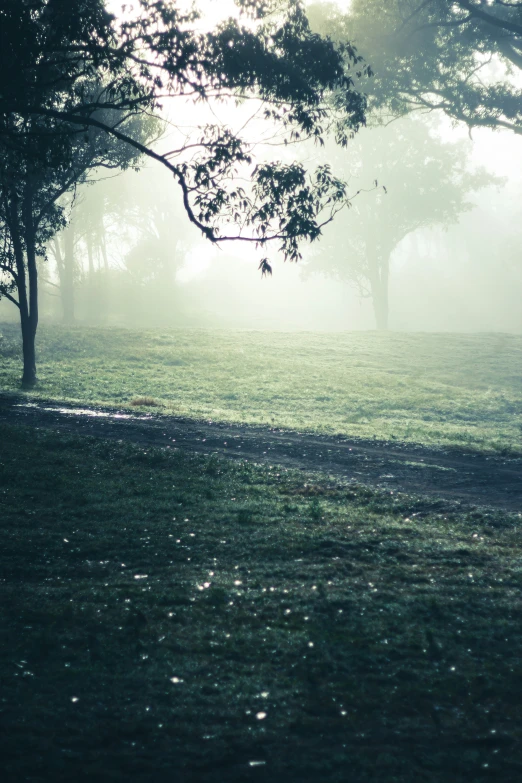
x=82, y=412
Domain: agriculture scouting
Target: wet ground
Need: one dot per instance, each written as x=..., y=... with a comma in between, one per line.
x=457, y=476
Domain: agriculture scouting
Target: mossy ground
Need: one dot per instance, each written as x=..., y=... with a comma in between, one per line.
x=444, y=389
x=176, y=618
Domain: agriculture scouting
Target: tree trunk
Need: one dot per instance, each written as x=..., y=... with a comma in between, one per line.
x=380, y=306
x=27, y=286
x=88, y=242
x=91, y=287
x=103, y=247
x=379, y=273
x=67, y=281
x=29, y=378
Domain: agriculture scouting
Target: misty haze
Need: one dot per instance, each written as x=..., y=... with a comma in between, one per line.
x=260, y=391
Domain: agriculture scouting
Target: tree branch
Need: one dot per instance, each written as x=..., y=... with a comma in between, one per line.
x=422, y=102
x=49, y=282
x=502, y=24
x=10, y=271
x=414, y=13
x=76, y=120
x=208, y=232
x=11, y=299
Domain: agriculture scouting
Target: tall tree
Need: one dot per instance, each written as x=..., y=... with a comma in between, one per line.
x=88, y=209
x=427, y=183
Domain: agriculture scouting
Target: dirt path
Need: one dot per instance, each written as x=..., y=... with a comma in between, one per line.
x=473, y=479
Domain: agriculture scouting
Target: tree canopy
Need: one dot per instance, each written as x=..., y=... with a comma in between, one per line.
x=74, y=72
x=463, y=57
x=67, y=62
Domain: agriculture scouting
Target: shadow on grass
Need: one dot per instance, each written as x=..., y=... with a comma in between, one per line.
x=169, y=617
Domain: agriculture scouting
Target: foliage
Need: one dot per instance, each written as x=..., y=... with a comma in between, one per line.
x=463, y=57
x=171, y=618
x=52, y=49
x=456, y=390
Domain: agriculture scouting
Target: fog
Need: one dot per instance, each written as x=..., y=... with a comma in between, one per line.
x=156, y=269
x=139, y=262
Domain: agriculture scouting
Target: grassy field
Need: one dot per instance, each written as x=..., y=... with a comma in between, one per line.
x=177, y=618
x=444, y=389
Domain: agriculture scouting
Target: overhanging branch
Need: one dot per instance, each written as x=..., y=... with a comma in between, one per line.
x=90, y=121
x=207, y=231
x=10, y=271
x=486, y=16
x=11, y=299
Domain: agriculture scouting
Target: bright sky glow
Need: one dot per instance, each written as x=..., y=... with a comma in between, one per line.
x=213, y=11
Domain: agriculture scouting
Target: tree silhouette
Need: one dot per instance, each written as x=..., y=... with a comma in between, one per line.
x=422, y=182
x=33, y=183
x=463, y=57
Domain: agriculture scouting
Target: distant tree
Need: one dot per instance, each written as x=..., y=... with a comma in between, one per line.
x=126, y=238
x=63, y=248
x=85, y=230
x=426, y=183
x=52, y=52
x=89, y=208
x=463, y=57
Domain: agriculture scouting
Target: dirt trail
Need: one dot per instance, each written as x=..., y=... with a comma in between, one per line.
x=473, y=479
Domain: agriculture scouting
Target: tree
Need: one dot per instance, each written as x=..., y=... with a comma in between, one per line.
x=89, y=208
x=33, y=181
x=85, y=227
x=427, y=183
x=272, y=55
x=162, y=238
x=68, y=70
x=463, y=57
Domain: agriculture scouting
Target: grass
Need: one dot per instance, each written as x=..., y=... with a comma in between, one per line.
x=178, y=618
x=445, y=389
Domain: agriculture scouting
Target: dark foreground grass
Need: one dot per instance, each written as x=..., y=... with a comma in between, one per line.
x=454, y=390
x=178, y=618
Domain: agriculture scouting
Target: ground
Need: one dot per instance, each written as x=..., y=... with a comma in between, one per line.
x=309, y=614
x=445, y=390
x=448, y=474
